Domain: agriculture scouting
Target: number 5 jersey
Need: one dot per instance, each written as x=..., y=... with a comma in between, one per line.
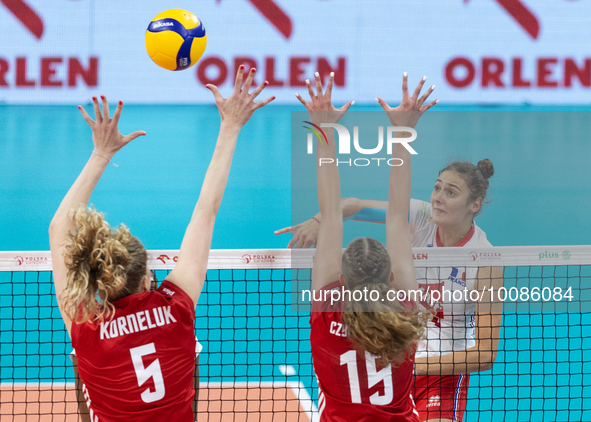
x=139, y=365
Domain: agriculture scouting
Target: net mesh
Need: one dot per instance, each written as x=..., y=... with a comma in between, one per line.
x=256, y=362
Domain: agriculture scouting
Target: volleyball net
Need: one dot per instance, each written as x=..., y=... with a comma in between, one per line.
x=253, y=323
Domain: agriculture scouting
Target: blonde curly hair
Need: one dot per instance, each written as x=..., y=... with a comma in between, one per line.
x=384, y=328
x=101, y=261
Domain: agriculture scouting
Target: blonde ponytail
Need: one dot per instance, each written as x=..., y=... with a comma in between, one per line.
x=382, y=327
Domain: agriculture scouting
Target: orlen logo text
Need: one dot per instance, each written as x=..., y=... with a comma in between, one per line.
x=344, y=141
x=523, y=72
x=420, y=256
x=13, y=70
x=554, y=255
x=485, y=256
x=215, y=70
x=31, y=260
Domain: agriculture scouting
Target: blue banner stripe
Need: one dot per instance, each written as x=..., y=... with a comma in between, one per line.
x=162, y=25
x=183, y=57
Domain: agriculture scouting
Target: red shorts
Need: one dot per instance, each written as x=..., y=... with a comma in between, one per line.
x=441, y=396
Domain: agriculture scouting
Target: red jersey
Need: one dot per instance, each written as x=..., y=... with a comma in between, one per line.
x=139, y=365
x=353, y=388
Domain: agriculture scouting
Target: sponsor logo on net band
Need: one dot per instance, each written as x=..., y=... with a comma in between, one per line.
x=485, y=256
x=31, y=260
x=258, y=259
x=554, y=255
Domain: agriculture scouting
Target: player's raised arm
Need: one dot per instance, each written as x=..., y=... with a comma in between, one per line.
x=398, y=240
x=305, y=234
x=107, y=141
x=235, y=111
x=327, y=262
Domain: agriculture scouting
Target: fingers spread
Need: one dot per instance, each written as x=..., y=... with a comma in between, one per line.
x=239, y=78
x=428, y=106
x=304, y=102
x=328, y=92
x=258, y=90
x=134, y=135
x=426, y=94
x=105, y=107
x=283, y=230
x=310, y=90
x=118, y=112
x=97, y=110
x=346, y=106
x=383, y=103
x=318, y=83
x=86, y=116
x=263, y=103
x=216, y=93
x=405, y=85
x=419, y=87
x=249, y=80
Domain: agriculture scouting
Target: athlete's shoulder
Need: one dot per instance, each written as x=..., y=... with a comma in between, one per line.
x=421, y=208
x=171, y=291
x=479, y=238
x=420, y=215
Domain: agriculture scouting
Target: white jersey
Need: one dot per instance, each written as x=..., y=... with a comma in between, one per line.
x=452, y=328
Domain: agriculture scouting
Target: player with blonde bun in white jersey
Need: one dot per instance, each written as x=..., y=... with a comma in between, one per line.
x=463, y=336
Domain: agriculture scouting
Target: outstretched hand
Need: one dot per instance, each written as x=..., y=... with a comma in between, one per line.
x=320, y=106
x=411, y=108
x=239, y=107
x=304, y=234
x=106, y=137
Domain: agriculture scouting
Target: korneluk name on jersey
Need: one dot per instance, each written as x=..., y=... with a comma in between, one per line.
x=140, y=321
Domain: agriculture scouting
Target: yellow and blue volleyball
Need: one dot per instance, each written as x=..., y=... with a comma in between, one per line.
x=176, y=39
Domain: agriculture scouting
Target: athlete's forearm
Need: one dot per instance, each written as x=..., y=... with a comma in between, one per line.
x=400, y=183
x=475, y=359
x=328, y=179
x=218, y=171
x=79, y=194
x=189, y=274
x=353, y=206
x=212, y=191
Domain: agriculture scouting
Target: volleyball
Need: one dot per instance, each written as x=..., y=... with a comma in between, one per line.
x=175, y=39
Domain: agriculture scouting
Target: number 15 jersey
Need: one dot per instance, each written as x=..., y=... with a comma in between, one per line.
x=353, y=387
x=139, y=365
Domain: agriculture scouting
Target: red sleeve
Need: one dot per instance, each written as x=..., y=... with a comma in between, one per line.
x=174, y=293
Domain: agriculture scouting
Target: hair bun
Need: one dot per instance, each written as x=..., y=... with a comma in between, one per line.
x=486, y=168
